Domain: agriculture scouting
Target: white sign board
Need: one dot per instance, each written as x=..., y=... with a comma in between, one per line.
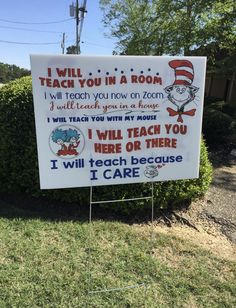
x=117, y=119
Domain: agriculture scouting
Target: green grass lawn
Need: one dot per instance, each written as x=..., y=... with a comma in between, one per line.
x=46, y=263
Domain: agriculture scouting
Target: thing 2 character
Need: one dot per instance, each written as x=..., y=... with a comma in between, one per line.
x=59, y=137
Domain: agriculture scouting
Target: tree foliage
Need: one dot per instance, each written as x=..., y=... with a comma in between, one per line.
x=10, y=72
x=174, y=27
x=71, y=50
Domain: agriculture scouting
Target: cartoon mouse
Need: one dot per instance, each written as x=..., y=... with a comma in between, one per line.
x=181, y=93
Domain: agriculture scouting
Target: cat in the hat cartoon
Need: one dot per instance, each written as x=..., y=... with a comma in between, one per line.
x=182, y=92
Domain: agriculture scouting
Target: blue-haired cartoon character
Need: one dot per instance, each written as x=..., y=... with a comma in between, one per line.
x=72, y=137
x=59, y=136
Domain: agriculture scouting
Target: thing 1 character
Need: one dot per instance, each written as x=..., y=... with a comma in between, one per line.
x=72, y=137
x=59, y=136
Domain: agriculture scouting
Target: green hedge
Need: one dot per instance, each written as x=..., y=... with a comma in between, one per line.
x=218, y=122
x=19, y=170
x=208, y=100
x=167, y=194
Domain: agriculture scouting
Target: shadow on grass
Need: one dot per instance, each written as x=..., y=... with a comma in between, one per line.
x=25, y=207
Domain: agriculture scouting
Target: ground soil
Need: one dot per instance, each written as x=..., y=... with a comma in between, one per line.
x=211, y=221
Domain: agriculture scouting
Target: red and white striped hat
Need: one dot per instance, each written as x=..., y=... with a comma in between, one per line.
x=184, y=72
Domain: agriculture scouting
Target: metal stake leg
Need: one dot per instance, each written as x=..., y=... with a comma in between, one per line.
x=89, y=242
x=91, y=202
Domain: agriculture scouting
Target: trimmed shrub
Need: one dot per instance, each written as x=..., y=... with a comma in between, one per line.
x=19, y=167
x=208, y=100
x=219, y=122
x=166, y=194
x=17, y=136
x=217, y=127
x=18, y=151
x=219, y=105
x=230, y=109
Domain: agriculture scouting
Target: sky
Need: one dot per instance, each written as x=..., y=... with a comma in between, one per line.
x=19, y=24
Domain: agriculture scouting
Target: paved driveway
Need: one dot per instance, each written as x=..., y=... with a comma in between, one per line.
x=221, y=205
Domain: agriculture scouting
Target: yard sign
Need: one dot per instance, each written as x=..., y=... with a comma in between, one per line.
x=117, y=119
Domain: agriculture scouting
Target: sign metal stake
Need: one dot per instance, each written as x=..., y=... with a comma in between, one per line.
x=91, y=202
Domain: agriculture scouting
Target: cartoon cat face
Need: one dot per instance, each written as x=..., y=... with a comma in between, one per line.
x=180, y=94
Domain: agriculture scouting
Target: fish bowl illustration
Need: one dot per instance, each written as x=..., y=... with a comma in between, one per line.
x=151, y=171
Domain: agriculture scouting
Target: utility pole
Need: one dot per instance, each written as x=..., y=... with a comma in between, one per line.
x=78, y=12
x=63, y=43
x=77, y=27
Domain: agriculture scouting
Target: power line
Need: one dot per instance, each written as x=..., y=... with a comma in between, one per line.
x=35, y=23
x=52, y=43
x=85, y=42
x=27, y=43
x=31, y=30
x=94, y=44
